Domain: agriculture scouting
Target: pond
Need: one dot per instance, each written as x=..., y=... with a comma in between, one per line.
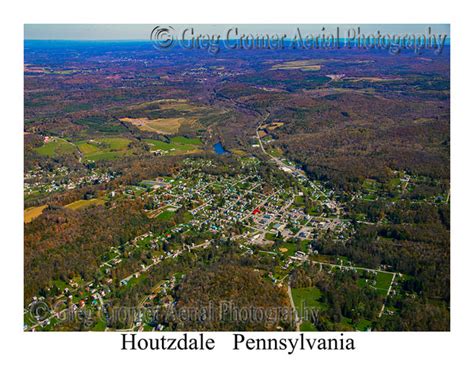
x=219, y=149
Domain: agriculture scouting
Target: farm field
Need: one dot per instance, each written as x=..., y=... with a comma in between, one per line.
x=79, y=204
x=104, y=148
x=158, y=125
x=168, y=116
x=31, y=213
x=303, y=65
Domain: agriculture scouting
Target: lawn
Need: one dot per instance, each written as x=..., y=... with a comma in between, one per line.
x=306, y=298
x=270, y=236
x=382, y=282
x=165, y=215
x=299, y=200
x=290, y=248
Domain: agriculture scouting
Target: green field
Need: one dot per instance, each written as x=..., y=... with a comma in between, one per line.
x=56, y=147
x=290, y=248
x=165, y=215
x=306, y=297
x=382, y=282
x=104, y=148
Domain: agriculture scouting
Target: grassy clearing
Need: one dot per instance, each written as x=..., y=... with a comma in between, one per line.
x=382, y=282
x=371, y=79
x=168, y=116
x=79, y=204
x=274, y=125
x=175, y=104
x=290, y=248
x=104, y=148
x=306, y=298
x=303, y=65
x=56, y=147
x=165, y=215
x=31, y=213
x=270, y=236
x=158, y=125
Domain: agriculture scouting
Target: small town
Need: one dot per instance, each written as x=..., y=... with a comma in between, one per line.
x=269, y=223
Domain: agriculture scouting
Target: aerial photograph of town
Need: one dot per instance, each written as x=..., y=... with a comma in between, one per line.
x=223, y=186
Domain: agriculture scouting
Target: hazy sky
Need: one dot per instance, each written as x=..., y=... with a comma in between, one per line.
x=142, y=31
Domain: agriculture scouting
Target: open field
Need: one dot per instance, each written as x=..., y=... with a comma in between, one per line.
x=56, y=147
x=31, y=213
x=303, y=65
x=306, y=299
x=166, y=104
x=382, y=282
x=273, y=125
x=158, y=125
x=371, y=79
x=103, y=148
x=79, y=204
x=170, y=116
x=165, y=215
